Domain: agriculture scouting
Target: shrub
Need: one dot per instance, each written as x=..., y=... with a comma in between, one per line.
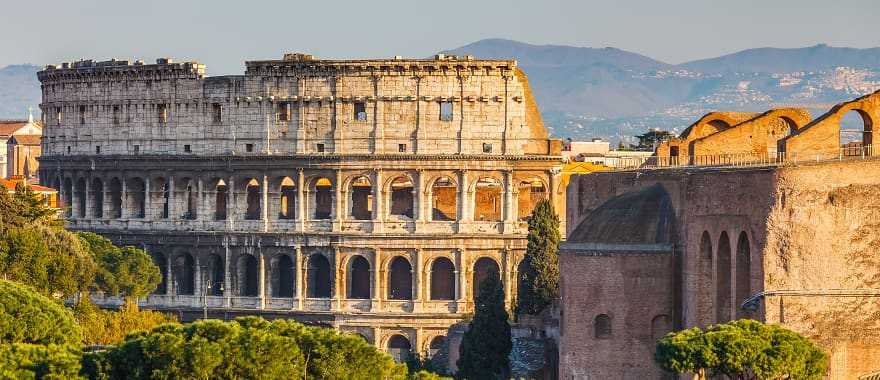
x=28, y=317
x=33, y=361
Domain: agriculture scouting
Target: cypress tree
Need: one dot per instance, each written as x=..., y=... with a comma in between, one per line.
x=484, y=350
x=539, y=272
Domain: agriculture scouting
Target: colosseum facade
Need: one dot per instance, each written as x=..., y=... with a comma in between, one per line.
x=367, y=195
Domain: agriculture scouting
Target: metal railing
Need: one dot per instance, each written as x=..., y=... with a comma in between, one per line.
x=750, y=159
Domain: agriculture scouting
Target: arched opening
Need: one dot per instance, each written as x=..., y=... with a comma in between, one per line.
x=602, y=327
x=190, y=197
x=442, y=279
x=487, y=200
x=399, y=348
x=530, y=191
x=80, y=195
x=437, y=344
x=705, y=275
x=319, y=277
x=162, y=263
x=135, y=203
x=248, y=276
x=253, y=200
x=402, y=197
x=323, y=199
x=359, y=275
x=67, y=195
x=400, y=279
x=115, y=191
x=856, y=132
x=287, y=199
x=183, y=275
x=96, y=198
x=216, y=273
x=482, y=268
x=722, y=278
x=660, y=326
x=361, y=199
x=743, y=271
x=779, y=129
x=222, y=194
x=444, y=200
x=716, y=126
x=283, y=277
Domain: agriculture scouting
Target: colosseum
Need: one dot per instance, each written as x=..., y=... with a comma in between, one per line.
x=367, y=195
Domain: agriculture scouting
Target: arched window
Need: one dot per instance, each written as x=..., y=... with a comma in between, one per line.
x=530, y=191
x=248, y=276
x=283, y=277
x=136, y=198
x=68, y=197
x=442, y=279
x=444, y=200
x=222, y=194
x=437, y=344
x=115, y=198
x=319, y=277
x=487, y=200
x=323, y=198
x=602, y=327
x=743, y=271
x=856, y=132
x=705, y=276
x=216, y=275
x=359, y=275
x=400, y=279
x=402, y=197
x=482, y=268
x=80, y=195
x=361, y=199
x=287, y=200
x=399, y=348
x=253, y=200
x=162, y=263
x=97, y=198
x=183, y=275
x=660, y=326
x=722, y=277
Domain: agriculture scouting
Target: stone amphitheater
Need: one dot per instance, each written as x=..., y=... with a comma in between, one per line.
x=367, y=195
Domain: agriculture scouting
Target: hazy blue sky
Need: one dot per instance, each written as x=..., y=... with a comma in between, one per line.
x=222, y=34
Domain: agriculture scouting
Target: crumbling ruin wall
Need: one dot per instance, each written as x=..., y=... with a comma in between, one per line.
x=710, y=123
x=758, y=136
x=821, y=138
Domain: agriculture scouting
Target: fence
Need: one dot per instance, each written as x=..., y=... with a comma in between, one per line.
x=844, y=153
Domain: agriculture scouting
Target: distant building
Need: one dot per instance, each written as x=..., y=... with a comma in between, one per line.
x=20, y=147
x=598, y=151
x=48, y=194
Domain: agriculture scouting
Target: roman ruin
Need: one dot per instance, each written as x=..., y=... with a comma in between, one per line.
x=367, y=195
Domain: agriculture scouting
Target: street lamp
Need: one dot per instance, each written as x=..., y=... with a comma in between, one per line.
x=208, y=285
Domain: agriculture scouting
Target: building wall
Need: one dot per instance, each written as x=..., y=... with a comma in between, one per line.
x=118, y=135
x=808, y=228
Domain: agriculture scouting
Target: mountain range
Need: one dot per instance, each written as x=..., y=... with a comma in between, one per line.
x=614, y=94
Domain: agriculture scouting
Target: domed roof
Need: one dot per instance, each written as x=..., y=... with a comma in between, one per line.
x=639, y=217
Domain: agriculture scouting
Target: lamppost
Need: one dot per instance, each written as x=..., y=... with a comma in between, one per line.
x=208, y=285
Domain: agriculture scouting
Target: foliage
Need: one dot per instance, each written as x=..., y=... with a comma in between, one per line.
x=28, y=317
x=50, y=260
x=33, y=361
x=426, y=375
x=127, y=271
x=539, y=279
x=249, y=347
x=484, y=350
x=421, y=367
x=107, y=327
x=742, y=349
x=24, y=208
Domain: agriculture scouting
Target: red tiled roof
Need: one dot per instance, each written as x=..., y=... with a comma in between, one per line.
x=8, y=127
x=26, y=139
x=9, y=184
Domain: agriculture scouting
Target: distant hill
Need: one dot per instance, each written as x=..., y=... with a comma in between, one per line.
x=19, y=89
x=774, y=60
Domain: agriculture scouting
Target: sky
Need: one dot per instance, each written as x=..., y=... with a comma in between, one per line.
x=223, y=34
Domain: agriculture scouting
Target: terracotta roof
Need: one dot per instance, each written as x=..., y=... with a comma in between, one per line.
x=8, y=127
x=9, y=184
x=26, y=139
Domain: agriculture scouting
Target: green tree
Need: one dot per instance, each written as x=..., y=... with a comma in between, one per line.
x=108, y=327
x=28, y=317
x=127, y=271
x=484, y=350
x=33, y=361
x=539, y=276
x=742, y=349
x=52, y=261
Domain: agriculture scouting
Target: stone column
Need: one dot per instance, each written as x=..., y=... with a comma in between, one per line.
x=420, y=194
x=336, y=302
x=262, y=276
x=227, y=273
x=148, y=199
x=418, y=281
x=197, y=276
x=510, y=209
x=507, y=269
x=87, y=213
x=376, y=305
x=230, y=204
x=378, y=201
x=172, y=288
x=301, y=193
x=264, y=207
x=300, y=274
x=338, y=208
x=123, y=196
x=172, y=198
x=201, y=205
x=460, y=281
x=464, y=193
